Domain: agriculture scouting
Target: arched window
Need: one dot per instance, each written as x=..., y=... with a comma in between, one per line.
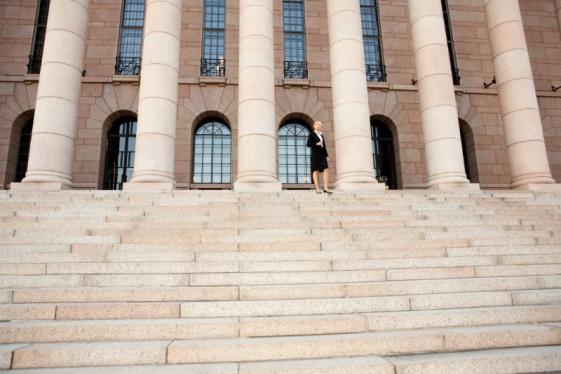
x=119, y=157
x=294, y=155
x=23, y=151
x=212, y=160
x=383, y=154
x=468, y=150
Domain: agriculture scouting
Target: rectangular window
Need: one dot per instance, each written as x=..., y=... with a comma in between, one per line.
x=212, y=61
x=130, y=39
x=450, y=40
x=372, y=38
x=34, y=64
x=295, y=66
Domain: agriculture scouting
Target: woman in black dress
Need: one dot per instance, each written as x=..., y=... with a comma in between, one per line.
x=319, y=158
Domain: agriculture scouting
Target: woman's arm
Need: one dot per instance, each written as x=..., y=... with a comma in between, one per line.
x=311, y=140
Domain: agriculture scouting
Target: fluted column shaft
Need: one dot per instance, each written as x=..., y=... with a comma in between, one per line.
x=517, y=94
x=56, y=110
x=439, y=114
x=257, y=132
x=157, y=105
x=351, y=113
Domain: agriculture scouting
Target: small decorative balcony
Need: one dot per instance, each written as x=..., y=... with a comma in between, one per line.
x=213, y=67
x=127, y=66
x=296, y=69
x=376, y=73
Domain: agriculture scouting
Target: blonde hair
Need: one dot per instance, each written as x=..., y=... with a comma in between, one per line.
x=318, y=123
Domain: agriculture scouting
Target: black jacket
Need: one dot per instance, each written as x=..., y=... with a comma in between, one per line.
x=313, y=139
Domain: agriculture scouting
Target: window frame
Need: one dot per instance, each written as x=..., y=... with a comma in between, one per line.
x=455, y=71
x=307, y=153
x=35, y=58
x=374, y=72
x=129, y=65
x=222, y=181
x=109, y=180
x=294, y=68
x=213, y=66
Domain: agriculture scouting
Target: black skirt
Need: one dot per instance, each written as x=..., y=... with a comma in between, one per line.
x=318, y=160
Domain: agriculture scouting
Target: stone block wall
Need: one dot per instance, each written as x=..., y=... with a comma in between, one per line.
x=105, y=96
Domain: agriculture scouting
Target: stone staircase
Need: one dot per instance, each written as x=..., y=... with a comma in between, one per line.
x=289, y=283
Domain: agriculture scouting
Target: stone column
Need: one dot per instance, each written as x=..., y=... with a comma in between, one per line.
x=56, y=109
x=351, y=112
x=439, y=114
x=257, y=131
x=157, y=105
x=517, y=95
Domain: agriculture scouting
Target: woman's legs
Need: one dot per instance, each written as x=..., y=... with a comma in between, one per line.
x=326, y=179
x=315, y=177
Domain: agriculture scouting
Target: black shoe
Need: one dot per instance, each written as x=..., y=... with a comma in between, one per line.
x=327, y=192
x=319, y=192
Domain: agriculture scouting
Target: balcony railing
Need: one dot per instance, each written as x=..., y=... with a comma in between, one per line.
x=34, y=64
x=376, y=73
x=296, y=69
x=213, y=67
x=127, y=65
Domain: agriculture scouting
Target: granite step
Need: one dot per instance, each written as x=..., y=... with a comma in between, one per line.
x=144, y=369
x=532, y=284
x=45, y=355
x=362, y=344
x=499, y=361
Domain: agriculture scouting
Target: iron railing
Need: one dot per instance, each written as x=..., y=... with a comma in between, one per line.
x=376, y=73
x=213, y=67
x=127, y=65
x=296, y=69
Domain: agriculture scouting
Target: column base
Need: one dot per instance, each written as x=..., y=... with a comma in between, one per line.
x=257, y=186
x=148, y=186
x=540, y=187
x=462, y=187
x=359, y=187
x=39, y=187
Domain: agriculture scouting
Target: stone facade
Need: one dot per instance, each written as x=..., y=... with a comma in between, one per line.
x=104, y=96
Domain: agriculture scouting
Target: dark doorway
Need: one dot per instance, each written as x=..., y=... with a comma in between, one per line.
x=23, y=151
x=383, y=154
x=468, y=150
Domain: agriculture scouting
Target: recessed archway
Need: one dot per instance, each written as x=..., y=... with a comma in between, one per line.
x=18, y=152
x=212, y=150
x=120, y=148
x=293, y=153
x=385, y=151
x=469, y=153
